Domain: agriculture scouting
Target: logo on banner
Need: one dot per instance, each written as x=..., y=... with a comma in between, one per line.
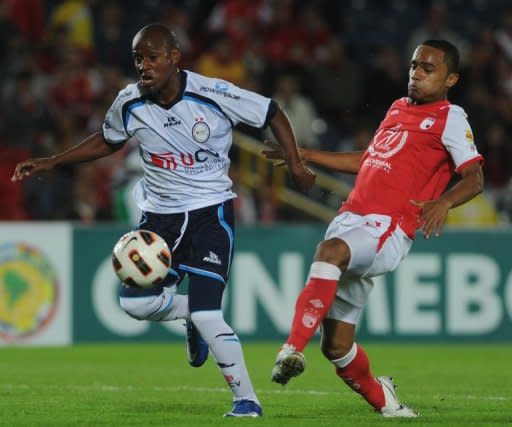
x=28, y=291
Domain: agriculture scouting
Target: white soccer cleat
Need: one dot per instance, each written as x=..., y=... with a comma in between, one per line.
x=393, y=407
x=289, y=363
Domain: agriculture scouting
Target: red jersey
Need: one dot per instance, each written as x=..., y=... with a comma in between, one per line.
x=412, y=156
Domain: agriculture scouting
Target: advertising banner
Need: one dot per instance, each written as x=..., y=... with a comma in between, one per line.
x=35, y=284
x=457, y=287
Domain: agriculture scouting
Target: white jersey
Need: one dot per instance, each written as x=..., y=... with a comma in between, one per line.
x=184, y=146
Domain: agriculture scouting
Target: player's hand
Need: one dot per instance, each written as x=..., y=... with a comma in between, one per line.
x=302, y=176
x=30, y=167
x=276, y=152
x=433, y=216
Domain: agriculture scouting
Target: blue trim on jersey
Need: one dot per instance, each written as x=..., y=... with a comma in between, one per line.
x=201, y=272
x=128, y=107
x=194, y=97
x=143, y=219
x=173, y=272
x=273, y=107
x=225, y=225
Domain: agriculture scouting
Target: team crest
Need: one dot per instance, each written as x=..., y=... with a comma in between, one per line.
x=427, y=123
x=201, y=132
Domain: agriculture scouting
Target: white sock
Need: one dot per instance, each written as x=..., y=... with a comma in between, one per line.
x=345, y=360
x=166, y=306
x=178, y=309
x=227, y=351
x=324, y=270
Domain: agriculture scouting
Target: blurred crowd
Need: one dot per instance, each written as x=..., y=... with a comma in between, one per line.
x=334, y=67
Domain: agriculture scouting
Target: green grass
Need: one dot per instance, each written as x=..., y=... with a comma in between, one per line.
x=152, y=385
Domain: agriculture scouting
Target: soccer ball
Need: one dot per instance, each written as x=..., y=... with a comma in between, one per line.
x=141, y=259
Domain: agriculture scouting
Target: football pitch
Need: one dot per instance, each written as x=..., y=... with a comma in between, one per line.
x=153, y=385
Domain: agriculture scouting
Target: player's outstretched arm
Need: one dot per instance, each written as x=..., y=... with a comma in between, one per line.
x=434, y=212
x=303, y=177
x=91, y=148
x=339, y=162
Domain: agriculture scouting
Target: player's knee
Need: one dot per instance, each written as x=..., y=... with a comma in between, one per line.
x=333, y=251
x=138, y=308
x=335, y=349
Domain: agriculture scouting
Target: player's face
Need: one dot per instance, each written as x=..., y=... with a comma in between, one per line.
x=429, y=79
x=155, y=64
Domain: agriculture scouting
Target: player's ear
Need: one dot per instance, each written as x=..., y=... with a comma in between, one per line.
x=452, y=80
x=175, y=56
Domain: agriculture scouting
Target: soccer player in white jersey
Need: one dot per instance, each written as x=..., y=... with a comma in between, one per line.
x=399, y=187
x=183, y=122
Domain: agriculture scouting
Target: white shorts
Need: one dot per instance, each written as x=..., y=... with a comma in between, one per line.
x=377, y=245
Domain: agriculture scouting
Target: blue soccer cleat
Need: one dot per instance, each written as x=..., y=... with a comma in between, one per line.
x=245, y=408
x=197, y=349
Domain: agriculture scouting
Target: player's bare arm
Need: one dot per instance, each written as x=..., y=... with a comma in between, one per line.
x=434, y=212
x=339, y=162
x=92, y=148
x=303, y=177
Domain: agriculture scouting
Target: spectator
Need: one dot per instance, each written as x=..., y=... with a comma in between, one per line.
x=111, y=36
x=298, y=108
x=76, y=16
x=220, y=61
x=437, y=26
x=336, y=85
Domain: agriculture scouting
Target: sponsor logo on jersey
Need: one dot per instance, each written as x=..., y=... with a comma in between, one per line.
x=220, y=91
x=388, y=142
x=427, y=123
x=221, y=86
x=172, y=121
x=183, y=160
x=29, y=289
x=377, y=164
x=200, y=132
x=213, y=258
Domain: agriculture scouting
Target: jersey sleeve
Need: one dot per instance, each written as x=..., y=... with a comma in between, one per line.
x=114, y=130
x=242, y=105
x=458, y=139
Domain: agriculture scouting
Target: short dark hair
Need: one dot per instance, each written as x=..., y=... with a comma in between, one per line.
x=451, y=53
x=163, y=30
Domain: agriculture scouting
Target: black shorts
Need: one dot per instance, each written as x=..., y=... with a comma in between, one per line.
x=201, y=241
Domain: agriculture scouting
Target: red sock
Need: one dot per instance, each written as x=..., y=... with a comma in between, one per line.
x=358, y=376
x=311, y=307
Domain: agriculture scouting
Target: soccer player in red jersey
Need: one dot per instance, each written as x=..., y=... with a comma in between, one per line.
x=400, y=187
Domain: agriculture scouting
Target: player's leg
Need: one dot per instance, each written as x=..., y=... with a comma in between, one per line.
x=312, y=304
x=352, y=364
x=208, y=270
x=160, y=303
x=347, y=247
